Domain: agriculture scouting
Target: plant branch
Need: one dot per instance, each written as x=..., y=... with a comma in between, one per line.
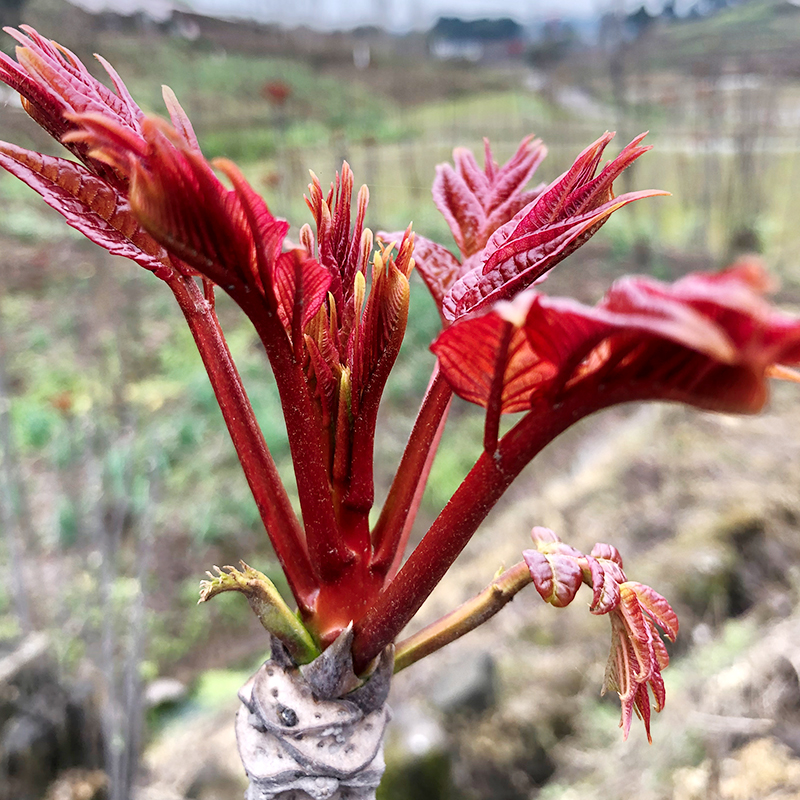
x=259, y=468
x=483, y=486
x=464, y=619
x=417, y=499
x=397, y=516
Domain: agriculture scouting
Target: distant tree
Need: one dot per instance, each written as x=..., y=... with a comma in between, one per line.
x=484, y=30
x=558, y=39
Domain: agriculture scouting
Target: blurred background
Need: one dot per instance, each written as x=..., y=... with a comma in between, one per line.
x=119, y=486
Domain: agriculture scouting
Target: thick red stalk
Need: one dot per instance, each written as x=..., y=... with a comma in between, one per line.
x=417, y=499
x=399, y=508
x=327, y=548
x=269, y=492
x=361, y=488
x=485, y=483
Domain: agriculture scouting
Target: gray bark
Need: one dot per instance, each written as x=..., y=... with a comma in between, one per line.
x=297, y=744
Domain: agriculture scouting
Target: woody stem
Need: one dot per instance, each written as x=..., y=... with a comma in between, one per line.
x=463, y=619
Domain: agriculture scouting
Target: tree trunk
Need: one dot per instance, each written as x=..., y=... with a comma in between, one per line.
x=300, y=736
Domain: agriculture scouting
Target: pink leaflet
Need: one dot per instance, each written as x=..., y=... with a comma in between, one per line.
x=300, y=284
x=637, y=652
x=605, y=586
x=551, y=203
x=607, y=552
x=460, y=207
x=558, y=219
x=506, y=184
x=555, y=567
x=476, y=202
x=54, y=83
x=476, y=180
x=657, y=607
x=556, y=577
x=543, y=536
x=521, y=261
x=636, y=660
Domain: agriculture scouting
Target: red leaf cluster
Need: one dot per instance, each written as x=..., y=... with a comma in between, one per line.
x=638, y=654
x=332, y=334
x=510, y=238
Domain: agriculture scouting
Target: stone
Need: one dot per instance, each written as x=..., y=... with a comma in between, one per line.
x=470, y=689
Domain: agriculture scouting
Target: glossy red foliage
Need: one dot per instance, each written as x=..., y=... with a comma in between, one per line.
x=508, y=237
x=706, y=340
x=331, y=312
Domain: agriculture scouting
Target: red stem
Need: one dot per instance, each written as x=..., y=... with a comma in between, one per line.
x=454, y=527
x=495, y=404
x=418, y=495
x=259, y=468
x=327, y=548
x=400, y=506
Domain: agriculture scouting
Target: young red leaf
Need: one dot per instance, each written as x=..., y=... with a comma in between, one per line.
x=555, y=567
x=88, y=204
x=268, y=235
x=607, y=552
x=557, y=577
x=522, y=260
x=54, y=85
x=475, y=203
x=460, y=207
x=636, y=611
x=605, y=581
x=180, y=201
x=657, y=608
x=637, y=653
x=510, y=238
x=469, y=356
x=506, y=195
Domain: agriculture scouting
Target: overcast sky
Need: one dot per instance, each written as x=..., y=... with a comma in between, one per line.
x=395, y=14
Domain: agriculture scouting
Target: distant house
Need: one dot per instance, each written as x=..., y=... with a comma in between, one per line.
x=452, y=38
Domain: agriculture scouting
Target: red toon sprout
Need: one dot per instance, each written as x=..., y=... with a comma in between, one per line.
x=331, y=312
